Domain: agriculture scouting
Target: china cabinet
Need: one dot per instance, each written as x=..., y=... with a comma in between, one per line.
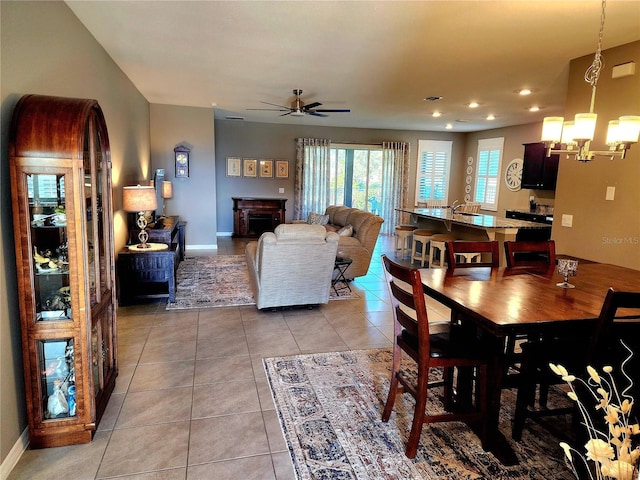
x=61, y=193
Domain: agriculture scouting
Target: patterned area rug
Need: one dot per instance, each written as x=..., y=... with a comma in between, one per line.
x=330, y=406
x=222, y=281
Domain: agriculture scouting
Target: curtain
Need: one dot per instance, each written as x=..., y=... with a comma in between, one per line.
x=395, y=183
x=311, y=188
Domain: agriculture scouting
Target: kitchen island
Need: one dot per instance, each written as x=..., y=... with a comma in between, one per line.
x=470, y=226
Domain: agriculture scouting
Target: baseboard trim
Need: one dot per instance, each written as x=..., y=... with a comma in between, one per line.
x=201, y=247
x=14, y=455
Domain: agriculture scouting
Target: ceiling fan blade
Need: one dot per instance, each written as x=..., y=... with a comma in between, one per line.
x=312, y=105
x=270, y=109
x=276, y=105
x=288, y=113
x=316, y=114
x=333, y=111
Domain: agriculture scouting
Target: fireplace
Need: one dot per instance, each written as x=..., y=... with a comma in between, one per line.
x=254, y=216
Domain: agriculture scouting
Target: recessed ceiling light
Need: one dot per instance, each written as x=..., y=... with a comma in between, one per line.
x=535, y=108
x=433, y=98
x=448, y=126
x=474, y=105
x=524, y=91
x=491, y=116
x=436, y=114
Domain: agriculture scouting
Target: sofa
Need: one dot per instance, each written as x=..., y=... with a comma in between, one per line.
x=293, y=265
x=360, y=244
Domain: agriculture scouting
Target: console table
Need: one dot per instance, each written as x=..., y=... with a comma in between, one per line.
x=152, y=273
x=253, y=216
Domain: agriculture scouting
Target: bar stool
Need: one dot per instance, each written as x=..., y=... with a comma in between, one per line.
x=403, y=238
x=470, y=257
x=438, y=242
x=423, y=237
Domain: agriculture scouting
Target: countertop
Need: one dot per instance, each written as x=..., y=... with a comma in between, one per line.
x=477, y=220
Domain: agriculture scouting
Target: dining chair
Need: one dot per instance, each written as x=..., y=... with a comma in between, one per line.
x=439, y=345
x=462, y=248
x=530, y=253
x=619, y=319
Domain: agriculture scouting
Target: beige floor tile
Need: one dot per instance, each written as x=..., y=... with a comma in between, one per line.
x=142, y=449
x=111, y=413
x=168, y=352
x=319, y=341
x=283, y=466
x=225, y=328
x=134, y=335
x=272, y=345
x=155, y=376
x=172, y=334
x=129, y=353
x=123, y=380
x=176, y=318
x=215, y=315
x=313, y=322
x=261, y=326
x=364, y=337
x=225, y=398
x=170, y=474
x=223, y=369
x=155, y=406
x=227, y=437
x=264, y=394
x=259, y=467
x=222, y=347
x=275, y=436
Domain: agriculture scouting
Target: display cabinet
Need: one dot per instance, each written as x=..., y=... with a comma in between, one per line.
x=62, y=211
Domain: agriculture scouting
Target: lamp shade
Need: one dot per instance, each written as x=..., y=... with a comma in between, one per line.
x=567, y=133
x=552, y=129
x=629, y=128
x=139, y=199
x=167, y=189
x=584, y=126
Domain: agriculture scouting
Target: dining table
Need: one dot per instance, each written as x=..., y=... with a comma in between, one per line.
x=505, y=301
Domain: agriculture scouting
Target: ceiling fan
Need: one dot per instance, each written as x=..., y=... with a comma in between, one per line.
x=299, y=109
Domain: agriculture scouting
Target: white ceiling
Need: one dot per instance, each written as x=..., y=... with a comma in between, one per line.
x=378, y=58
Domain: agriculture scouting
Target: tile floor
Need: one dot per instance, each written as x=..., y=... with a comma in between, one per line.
x=192, y=400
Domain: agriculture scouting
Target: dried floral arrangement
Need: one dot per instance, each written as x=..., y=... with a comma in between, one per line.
x=611, y=452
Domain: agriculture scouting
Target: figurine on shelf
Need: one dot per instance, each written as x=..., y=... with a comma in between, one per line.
x=57, y=402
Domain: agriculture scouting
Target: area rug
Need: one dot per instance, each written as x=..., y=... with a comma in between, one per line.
x=330, y=404
x=222, y=281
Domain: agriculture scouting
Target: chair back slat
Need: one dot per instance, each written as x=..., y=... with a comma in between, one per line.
x=530, y=253
x=481, y=247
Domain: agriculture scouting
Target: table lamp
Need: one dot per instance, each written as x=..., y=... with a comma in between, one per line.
x=140, y=199
x=167, y=192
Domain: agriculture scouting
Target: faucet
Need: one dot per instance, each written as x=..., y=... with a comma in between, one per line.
x=455, y=206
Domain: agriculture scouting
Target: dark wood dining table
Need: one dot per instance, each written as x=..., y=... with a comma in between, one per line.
x=505, y=301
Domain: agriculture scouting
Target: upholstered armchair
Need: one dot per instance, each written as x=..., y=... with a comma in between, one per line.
x=292, y=265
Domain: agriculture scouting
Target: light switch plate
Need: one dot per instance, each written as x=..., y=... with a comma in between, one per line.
x=281, y=190
x=567, y=220
x=611, y=193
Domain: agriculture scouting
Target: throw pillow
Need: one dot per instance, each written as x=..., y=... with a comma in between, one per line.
x=346, y=231
x=318, y=219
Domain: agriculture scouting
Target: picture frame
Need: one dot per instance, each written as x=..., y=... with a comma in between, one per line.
x=282, y=169
x=234, y=166
x=250, y=167
x=266, y=168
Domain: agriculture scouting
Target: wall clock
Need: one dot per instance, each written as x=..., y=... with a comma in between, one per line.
x=470, y=161
x=513, y=175
x=181, y=154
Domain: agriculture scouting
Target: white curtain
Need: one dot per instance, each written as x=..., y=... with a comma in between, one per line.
x=311, y=189
x=395, y=180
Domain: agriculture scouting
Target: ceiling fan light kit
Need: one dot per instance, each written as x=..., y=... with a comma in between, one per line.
x=299, y=109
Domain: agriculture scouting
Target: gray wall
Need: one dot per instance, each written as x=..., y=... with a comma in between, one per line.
x=46, y=50
x=267, y=141
x=194, y=198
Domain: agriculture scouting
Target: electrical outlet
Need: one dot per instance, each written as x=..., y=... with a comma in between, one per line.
x=567, y=220
x=611, y=193
x=281, y=190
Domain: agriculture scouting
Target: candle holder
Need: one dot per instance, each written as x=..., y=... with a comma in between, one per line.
x=567, y=268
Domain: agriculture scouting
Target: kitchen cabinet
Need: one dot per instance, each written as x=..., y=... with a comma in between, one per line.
x=539, y=171
x=60, y=171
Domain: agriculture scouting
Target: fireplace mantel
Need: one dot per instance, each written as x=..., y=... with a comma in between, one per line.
x=253, y=216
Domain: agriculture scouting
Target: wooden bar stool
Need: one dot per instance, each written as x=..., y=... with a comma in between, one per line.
x=422, y=237
x=403, y=238
x=438, y=242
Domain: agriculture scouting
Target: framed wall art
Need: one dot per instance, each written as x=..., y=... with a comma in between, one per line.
x=282, y=169
x=266, y=168
x=234, y=166
x=250, y=167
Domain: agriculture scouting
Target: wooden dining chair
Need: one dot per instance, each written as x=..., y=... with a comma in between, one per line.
x=619, y=319
x=458, y=248
x=447, y=348
x=530, y=253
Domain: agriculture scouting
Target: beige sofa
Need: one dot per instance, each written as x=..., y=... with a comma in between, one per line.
x=293, y=265
x=359, y=247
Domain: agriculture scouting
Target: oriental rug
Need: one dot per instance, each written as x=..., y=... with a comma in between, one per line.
x=329, y=406
x=221, y=281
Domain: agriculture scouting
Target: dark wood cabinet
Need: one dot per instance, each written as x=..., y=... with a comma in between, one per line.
x=253, y=216
x=60, y=170
x=539, y=171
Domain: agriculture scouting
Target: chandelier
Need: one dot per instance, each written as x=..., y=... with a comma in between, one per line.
x=574, y=137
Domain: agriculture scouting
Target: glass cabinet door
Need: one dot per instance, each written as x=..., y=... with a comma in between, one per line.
x=49, y=241
x=57, y=378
